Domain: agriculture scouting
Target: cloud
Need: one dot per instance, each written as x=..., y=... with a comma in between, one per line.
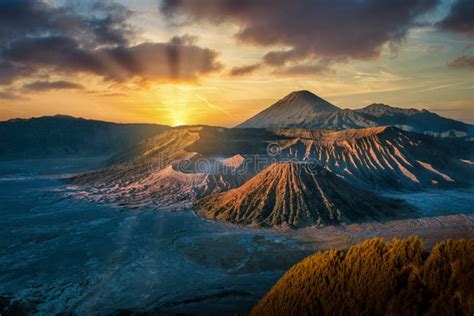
x=279, y=58
x=186, y=39
x=244, y=70
x=52, y=85
x=337, y=30
x=460, y=18
x=462, y=62
x=111, y=25
x=57, y=53
x=94, y=38
x=305, y=70
x=9, y=71
x=113, y=94
x=10, y=96
x=94, y=24
x=174, y=60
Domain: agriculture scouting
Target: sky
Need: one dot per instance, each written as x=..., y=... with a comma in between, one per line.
x=219, y=62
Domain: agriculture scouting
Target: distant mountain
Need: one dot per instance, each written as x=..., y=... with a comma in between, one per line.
x=416, y=121
x=297, y=109
x=66, y=136
x=383, y=110
x=306, y=110
x=296, y=195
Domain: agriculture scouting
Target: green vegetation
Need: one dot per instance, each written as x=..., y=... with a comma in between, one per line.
x=378, y=278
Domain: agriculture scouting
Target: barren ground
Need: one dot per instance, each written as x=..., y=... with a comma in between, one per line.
x=66, y=254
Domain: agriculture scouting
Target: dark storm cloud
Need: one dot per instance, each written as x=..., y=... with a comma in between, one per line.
x=244, y=70
x=462, y=62
x=338, y=30
x=55, y=52
x=52, y=85
x=176, y=59
x=90, y=38
x=460, y=18
x=100, y=23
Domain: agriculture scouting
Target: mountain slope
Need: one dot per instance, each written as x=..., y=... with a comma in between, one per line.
x=297, y=195
x=386, y=157
x=303, y=109
x=66, y=136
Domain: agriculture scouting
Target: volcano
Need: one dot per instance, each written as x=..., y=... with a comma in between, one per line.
x=297, y=109
x=297, y=195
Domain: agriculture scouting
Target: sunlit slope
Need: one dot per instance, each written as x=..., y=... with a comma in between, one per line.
x=153, y=171
x=378, y=278
x=147, y=157
x=297, y=195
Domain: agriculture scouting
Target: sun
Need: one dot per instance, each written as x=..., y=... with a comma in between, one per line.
x=179, y=123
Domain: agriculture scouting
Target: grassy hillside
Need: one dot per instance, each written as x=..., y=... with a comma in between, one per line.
x=378, y=278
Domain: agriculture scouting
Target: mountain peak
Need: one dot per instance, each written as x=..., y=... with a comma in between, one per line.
x=380, y=109
x=378, y=106
x=305, y=98
x=300, y=93
x=292, y=110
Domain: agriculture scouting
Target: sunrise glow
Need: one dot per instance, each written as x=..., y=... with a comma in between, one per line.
x=153, y=70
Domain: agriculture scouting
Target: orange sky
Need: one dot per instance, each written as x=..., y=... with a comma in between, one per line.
x=413, y=72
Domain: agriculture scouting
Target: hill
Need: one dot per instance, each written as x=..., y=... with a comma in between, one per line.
x=296, y=195
x=378, y=278
x=66, y=136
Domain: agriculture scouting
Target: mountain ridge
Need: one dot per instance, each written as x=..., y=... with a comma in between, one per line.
x=378, y=109
x=283, y=114
x=68, y=136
